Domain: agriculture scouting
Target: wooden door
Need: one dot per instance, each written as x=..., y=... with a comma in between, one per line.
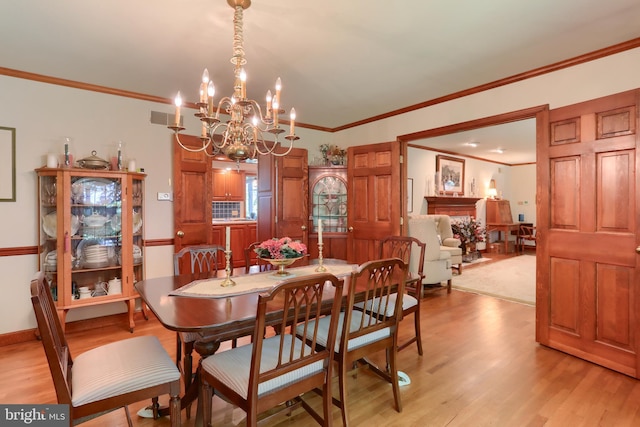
x=588, y=303
x=374, y=207
x=283, y=196
x=192, y=195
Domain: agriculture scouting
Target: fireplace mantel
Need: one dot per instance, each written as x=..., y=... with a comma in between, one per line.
x=452, y=206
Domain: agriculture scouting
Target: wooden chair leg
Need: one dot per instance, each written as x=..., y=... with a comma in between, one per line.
x=342, y=382
x=416, y=318
x=128, y=414
x=207, y=394
x=449, y=286
x=394, y=378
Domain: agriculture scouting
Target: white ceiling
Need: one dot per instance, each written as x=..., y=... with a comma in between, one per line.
x=340, y=61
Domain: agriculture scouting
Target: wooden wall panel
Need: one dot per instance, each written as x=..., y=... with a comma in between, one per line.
x=565, y=131
x=565, y=176
x=614, y=213
x=616, y=122
x=615, y=301
x=565, y=294
x=360, y=186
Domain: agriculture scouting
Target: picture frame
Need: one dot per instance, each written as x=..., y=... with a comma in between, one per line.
x=450, y=173
x=8, y=161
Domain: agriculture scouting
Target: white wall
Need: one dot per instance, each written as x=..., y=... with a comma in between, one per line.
x=43, y=114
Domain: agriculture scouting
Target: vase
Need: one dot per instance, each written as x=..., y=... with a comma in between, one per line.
x=281, y=263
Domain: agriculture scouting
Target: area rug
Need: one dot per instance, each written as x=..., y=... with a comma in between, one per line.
x=513, y=279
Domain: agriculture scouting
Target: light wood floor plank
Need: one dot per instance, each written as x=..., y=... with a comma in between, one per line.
x=481, y=367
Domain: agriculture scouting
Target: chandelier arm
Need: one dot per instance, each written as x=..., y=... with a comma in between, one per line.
x=205, y=144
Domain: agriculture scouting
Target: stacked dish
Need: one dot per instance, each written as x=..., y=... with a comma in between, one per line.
x=96, y=256
x=51, y=260
x=137, y=254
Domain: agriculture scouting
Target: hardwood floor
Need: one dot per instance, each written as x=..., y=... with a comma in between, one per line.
x=481, y=367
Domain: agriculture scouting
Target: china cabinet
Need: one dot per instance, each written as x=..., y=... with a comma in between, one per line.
x=328, y=203
x=91, y=236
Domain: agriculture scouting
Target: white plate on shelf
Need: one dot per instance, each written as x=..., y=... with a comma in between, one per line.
x=50, y=224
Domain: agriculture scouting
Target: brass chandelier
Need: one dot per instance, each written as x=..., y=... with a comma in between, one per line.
x=241, y=137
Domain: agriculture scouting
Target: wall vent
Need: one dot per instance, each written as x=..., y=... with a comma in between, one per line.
x=165, y=119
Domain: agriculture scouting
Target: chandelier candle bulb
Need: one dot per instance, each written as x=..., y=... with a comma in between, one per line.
x=278, y=90
x=276, y=106
x=204, y=130
x=228, y=238
x=269, y=105
x=292, y=115
x=243, y=84
x=178, y=102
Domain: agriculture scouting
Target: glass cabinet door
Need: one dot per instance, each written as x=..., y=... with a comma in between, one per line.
x=137, y=194
x=329, y=204
x=48, y=253
x=96, y=246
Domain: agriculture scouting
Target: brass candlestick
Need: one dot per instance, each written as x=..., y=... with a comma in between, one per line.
x=321, y=268
x=227, y=281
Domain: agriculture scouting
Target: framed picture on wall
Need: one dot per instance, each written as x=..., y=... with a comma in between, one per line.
x=450, y=172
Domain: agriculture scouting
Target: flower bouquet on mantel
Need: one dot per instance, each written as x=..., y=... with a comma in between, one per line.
x=281, y=253
x=470, y=232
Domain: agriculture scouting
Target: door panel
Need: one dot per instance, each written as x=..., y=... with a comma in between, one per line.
x=192, y=195
x=587, y=298
x=374, y=202
x=283, y=196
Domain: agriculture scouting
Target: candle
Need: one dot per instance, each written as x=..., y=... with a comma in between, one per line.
x=319, y=231
x=178, y=102
x=228, y=239
x=211, y=90
x=132, y=165
x=275, y=112
x=269, y=98
x=278, y=89
x=292, y=115
x=243, y=84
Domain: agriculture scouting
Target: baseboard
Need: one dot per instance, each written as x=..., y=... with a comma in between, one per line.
x=71, y=327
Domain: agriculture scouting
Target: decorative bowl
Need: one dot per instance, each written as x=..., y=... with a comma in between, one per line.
x=95, y=220
x=281, y=263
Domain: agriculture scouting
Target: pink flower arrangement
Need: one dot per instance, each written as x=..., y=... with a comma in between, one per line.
x=281, y=248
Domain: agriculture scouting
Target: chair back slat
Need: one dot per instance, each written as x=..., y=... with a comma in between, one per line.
x=298, y=302
x=52, y=336
x=402, y=247
x=377, y=281
x=202, y=258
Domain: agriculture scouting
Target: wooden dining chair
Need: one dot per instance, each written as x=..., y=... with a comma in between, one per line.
x=108, y=377
x=526, y=233
x=199, y=259
x=402, y=247
x=361, y=334
x=279, y=368
x=253, y=264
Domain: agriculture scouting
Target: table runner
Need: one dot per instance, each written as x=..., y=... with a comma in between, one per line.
x=248, y=283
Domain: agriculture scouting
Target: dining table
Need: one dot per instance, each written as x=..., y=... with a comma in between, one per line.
x=199, y=303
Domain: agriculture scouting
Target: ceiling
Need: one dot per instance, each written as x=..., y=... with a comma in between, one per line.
x=340, y=61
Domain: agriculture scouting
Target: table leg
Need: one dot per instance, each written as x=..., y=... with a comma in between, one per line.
x=192, y=392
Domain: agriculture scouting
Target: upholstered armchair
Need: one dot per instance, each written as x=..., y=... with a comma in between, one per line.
x=448, y=242
x=437, y=262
